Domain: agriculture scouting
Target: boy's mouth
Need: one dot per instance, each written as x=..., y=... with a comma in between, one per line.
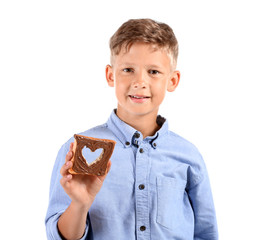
x=138, y=98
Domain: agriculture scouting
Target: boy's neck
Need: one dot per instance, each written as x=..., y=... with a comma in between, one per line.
x=146, y=124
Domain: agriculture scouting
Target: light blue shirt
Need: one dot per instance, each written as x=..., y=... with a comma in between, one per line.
x=158, y=188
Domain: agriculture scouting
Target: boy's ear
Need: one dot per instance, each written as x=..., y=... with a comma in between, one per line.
x=173, y=81
x=109, y=75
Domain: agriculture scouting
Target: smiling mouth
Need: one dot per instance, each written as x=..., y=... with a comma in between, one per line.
x=138, y=97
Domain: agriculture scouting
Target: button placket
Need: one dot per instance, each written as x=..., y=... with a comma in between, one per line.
x=142, y=194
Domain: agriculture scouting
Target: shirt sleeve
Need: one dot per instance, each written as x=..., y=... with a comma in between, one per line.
x=52, y=229
x=59, y=200
x=204, y=212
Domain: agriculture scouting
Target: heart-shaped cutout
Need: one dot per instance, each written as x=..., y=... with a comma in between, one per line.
x=90, y=156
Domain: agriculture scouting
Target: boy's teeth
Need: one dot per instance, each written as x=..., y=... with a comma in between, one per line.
x=137, y=97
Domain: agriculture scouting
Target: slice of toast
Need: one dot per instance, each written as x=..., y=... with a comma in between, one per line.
x=98, y=166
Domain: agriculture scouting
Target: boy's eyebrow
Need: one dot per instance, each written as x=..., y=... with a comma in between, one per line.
x=154, y=66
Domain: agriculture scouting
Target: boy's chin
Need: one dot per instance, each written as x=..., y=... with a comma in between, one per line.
x=137, y=112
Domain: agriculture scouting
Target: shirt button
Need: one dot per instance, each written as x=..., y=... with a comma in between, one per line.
x=142, y=228
x=137, y=135
x=154, y=144
x=141, y=150
x=141, y=186
x=127, y=143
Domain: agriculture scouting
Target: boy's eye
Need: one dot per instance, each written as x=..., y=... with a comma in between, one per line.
x=127, y=70
x=153, y=71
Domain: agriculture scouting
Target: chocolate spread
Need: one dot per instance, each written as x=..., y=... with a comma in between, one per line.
x=97, y=167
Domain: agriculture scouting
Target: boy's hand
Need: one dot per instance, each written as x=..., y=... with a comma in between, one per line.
x=82, y=189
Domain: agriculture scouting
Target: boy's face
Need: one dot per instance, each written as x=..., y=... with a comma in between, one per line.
x=141, y=77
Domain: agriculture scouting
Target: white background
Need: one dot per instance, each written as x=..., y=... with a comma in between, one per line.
x=52, y=61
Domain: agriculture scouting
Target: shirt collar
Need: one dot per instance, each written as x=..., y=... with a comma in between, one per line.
x=130, y=136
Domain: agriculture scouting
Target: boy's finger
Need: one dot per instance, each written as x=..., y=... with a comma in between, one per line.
x=64, y=180
x=71, y=146
x=65, y=168
x=69, y=155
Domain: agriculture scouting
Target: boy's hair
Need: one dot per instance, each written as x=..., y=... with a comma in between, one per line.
x=145, y=31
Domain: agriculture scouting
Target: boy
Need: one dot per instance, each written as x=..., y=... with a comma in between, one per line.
x=157, y=186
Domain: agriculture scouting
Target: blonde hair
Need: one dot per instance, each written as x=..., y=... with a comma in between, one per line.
x=145, y=31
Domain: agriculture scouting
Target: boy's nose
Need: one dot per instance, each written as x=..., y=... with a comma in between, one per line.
x=139, y=82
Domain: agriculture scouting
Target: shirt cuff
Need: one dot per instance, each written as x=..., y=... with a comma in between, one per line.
x=52, y=228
